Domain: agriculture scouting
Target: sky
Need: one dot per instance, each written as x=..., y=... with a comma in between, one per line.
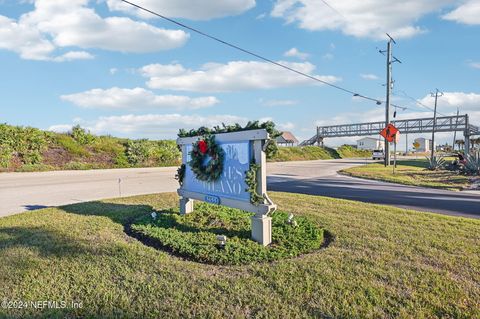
x=117, y=70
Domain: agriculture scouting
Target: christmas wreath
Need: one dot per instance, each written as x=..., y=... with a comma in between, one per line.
x=207, y=159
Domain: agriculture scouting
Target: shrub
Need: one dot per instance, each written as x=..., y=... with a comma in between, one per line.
x=137, y=151
x=121, y=160
x=107, y=144
x=6, y=144
x=31, y=143
x=27, y=142
x=82, y=136
x=70, y=145
x=165, y=153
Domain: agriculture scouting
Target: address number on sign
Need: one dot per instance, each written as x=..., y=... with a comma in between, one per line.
x=212, y=199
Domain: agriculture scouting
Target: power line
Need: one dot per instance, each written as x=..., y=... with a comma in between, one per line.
x=333, y=9
x=258, y=56
x=418, y=102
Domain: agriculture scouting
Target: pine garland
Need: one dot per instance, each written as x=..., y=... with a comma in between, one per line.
x=180, y=174
x=251, y=181
x=207, y=147
x=271, y=148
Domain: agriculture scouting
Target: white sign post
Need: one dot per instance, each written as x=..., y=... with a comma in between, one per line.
x=241, y=149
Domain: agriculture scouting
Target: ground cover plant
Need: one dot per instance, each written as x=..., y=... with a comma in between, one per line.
x=412, y=172
x=194, y=236
x=384, y=262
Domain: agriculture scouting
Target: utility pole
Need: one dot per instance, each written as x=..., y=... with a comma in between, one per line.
x=436, y=95
x=455, y=132
x=389, y=89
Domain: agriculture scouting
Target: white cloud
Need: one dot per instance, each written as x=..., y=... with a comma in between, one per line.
x=233, y=76
x=61, y=128
x=370, y=19
x=475, y=65
x=467, y=13
x=113, y=71
x=376, y=114
x=194, y=10
x=451, y=100
x=74, y=55
x=59, y=24
x=369, y=76
x=294, y=52
x=137, y=98
x=288, y=126
x=278, y=102
x=469, y=103
x=24, y=40
x=160, y=123
x=154, y=126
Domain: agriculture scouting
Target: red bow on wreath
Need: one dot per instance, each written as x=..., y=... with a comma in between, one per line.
x=202, y=146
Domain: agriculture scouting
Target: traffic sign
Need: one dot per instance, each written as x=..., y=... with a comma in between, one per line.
x=389, y=132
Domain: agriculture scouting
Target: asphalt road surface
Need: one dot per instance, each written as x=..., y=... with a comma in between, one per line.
x=27, y=191
x=321, y=178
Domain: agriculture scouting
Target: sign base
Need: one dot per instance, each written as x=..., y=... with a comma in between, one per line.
x=186, y=206
x=262, y=230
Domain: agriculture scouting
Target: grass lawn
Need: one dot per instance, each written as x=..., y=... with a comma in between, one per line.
x=383, y=263
x=410, y=172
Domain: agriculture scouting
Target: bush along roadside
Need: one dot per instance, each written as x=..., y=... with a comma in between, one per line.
x=26, y=149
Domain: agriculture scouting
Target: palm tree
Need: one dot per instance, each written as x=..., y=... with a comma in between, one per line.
x=475, y=142
x=460, y=143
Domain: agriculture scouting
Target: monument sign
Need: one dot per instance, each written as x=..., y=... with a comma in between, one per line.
x=228, y=169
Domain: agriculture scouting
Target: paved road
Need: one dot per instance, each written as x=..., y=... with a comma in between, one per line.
x=27, y=191
x=320, y=178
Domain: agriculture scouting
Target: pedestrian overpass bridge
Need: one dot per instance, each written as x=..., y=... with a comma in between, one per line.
x=454, y=123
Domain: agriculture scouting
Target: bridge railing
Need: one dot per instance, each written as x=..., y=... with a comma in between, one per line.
x=452, y=123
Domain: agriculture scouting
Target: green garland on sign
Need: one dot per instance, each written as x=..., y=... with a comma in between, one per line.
x=204, y=149
x=271, y=147
x=251, y=181
x=180, y=174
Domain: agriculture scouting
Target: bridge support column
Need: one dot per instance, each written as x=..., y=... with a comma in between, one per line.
x=466, y=135
x=467, y=144
x=319, y=141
